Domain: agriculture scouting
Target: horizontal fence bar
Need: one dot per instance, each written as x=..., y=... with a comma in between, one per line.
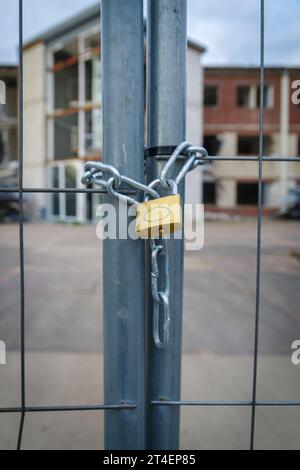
x=278, y=403
x=39, y=409
x=131, y=406
x=63, y=190
x=233, y=159
x=199, y=403
x=255, y=159
x=223, y=403
x=159, y=157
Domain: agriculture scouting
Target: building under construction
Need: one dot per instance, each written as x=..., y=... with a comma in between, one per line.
x=231, y=127
x=63, y=113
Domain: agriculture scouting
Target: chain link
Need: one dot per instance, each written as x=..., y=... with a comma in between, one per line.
x=160, y=297
x=195, y=156
x=96, y=172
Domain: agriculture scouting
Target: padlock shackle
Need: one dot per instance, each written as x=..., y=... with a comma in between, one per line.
x=173, y=186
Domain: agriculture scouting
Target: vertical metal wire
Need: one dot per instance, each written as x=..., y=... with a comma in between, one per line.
x=21, y=225
x=259, y=219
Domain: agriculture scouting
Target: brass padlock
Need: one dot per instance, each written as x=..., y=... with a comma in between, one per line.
x=158, y=217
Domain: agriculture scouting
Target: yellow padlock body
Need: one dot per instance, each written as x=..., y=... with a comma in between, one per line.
x=159, y=217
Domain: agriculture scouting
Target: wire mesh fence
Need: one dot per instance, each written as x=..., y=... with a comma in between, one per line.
x=253, y=403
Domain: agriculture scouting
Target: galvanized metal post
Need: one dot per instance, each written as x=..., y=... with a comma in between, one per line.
x=166, y=90
x=123, y=260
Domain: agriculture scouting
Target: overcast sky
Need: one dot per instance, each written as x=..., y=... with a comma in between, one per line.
x=228, y=28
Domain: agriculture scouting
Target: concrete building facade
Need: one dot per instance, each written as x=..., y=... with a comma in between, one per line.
x=231, y=127
x=62, y=113
x=8, y=124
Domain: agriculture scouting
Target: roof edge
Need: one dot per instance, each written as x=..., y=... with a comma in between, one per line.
x=80, y=18
x=64, y=26
x=196, y=46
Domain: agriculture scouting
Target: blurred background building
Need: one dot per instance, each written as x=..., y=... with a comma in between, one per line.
x=8, y=124
x=62, y=125
x=62, y=113
x=9, y=202
x=231, y=127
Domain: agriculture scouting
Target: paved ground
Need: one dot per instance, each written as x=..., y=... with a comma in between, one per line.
x=64, y=334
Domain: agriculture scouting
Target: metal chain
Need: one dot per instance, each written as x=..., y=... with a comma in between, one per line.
x=196, y=156
x=160, y=297
x=95, y=172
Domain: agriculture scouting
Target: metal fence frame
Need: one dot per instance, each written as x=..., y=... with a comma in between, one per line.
x=23, y=409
